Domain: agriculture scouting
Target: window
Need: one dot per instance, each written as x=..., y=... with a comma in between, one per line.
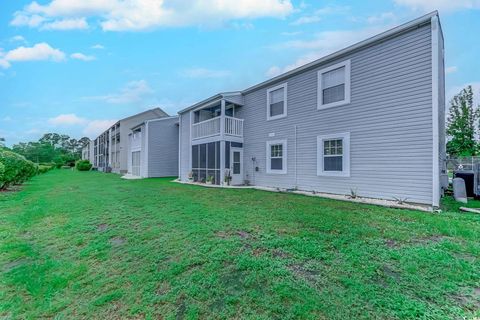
x=277, y=156
x=277, y=102
x=334, y=85
x=333, y=155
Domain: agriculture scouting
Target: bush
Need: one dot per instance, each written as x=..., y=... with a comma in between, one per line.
x=83, y=165
x=44, y=168
x=16, y=169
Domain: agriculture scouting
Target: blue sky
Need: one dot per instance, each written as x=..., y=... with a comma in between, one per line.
x=74, y=67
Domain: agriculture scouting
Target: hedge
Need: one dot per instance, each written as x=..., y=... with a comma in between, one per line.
x=83, y=165
x=15, y=169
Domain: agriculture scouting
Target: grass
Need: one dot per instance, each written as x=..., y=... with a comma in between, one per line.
x=91, y=245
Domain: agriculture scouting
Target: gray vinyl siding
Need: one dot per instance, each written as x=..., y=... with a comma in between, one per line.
x=389, y=120
x=237, y=99
x=125, y=129
x=184, y=121
x=163, y=148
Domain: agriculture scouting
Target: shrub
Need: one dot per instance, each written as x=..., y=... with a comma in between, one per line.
x=44, y=168
x=83, y=165
x=16, y=169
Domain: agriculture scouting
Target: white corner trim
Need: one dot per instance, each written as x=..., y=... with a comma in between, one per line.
x=435, y=105
x=345, y=157
x=347, y=65
x=284, y=86
x=283, y=142
x=145, y=171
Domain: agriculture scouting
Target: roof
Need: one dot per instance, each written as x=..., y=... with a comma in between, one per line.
x=348, y=50
x=153, y=120
x=211, y=99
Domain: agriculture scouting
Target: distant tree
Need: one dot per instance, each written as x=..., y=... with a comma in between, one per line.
x=51, y=147
x=462, y=124
x=2, y=142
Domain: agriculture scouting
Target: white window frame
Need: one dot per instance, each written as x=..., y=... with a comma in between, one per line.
x=284, y=157
x=284, y=114
x=345, y=156
x=320, y=104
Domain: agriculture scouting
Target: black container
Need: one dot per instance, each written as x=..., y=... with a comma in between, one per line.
x=469, y=177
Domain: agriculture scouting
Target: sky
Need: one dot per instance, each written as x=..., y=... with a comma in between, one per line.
x=75, y=67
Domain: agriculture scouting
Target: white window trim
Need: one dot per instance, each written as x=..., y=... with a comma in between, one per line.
x=320, y=105
x=284, y=86
x=346, y=155
x=284, y=157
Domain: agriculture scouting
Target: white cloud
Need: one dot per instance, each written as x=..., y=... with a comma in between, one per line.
x=97, y=46
x=118, y=15
x=95, y=127
x=17, y=38
x=67, y=120
x=134, y=91
x=382, y=18
x=7, y=119
x=441, y=5
x=40, y=51
x=66, y=24
x=291, y=34
x=323, y=44
x=319, y=14
x=81, y=56
x=24, y=19
x=451, y=69
x=204, y=73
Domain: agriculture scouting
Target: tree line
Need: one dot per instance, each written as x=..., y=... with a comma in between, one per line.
x=463, y=125
x=56, y=148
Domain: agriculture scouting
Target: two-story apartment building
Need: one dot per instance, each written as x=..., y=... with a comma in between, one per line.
x=110, y=149
x=368, y=118
x=153, y=148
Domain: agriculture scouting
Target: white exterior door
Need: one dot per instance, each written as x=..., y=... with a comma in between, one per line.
x=136, y=163
x=236, y=165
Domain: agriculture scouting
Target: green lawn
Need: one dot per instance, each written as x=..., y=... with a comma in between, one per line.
x=91, y=245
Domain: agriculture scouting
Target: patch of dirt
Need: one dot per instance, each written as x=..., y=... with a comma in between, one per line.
x=14, y=264
x=469, y=301
x=391, y=243
x=258, y=251
x=14, y=188
x=181, y=308
x=431, y=239
x=102, y=227
x=304, y=271
x=222, y=234
x=117, y=241
x=244, y=234
x=163, y=288
x=278, y=253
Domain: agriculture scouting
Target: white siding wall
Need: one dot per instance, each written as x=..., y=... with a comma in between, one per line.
x=184, y=120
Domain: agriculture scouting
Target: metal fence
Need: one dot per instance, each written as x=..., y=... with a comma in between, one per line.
x=462, y=163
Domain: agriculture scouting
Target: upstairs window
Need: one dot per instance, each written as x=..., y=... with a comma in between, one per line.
x=334, y=85
x=277, y=156
x=277, y=102
x=333, y=155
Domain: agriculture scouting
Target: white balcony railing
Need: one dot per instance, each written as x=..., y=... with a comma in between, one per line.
x=211, y=127
x=234, y=126
x=207, y=128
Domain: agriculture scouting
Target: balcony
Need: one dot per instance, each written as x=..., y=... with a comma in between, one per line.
x=213, y=127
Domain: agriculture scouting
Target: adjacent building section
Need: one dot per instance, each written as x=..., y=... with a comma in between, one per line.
x=153, y=148
x=110, y=149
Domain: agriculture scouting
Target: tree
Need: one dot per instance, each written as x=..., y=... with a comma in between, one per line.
x=2, y=142
x=461, y=126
